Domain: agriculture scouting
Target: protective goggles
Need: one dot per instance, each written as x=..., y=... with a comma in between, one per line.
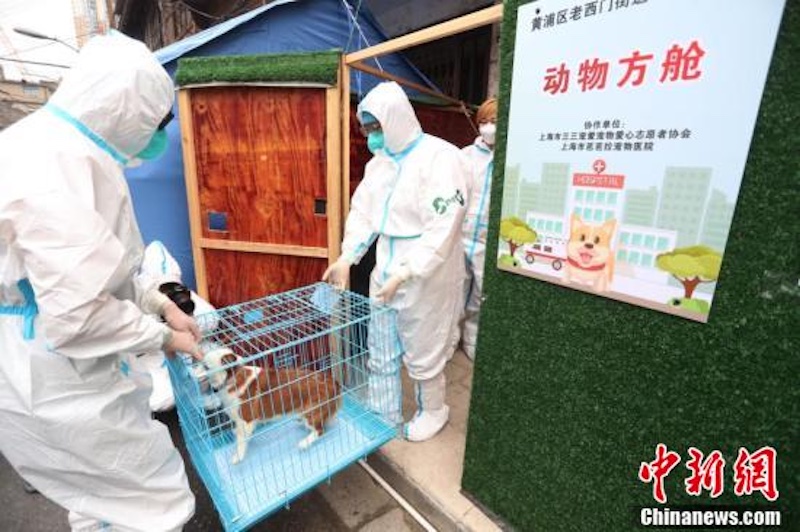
x=366, y=129
x=167, y=120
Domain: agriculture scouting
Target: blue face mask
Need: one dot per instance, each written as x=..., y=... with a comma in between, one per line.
x=375, y=141
x=155, y=148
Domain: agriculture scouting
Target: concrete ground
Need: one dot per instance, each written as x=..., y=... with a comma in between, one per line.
x=428, y=474
x=352, y=502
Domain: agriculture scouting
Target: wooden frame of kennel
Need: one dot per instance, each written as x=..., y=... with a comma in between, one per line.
x=338, y=111
x=304, y=253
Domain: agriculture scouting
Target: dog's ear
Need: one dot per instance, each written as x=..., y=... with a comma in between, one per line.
x=575, y=223
x=609, y=226
x=230, y=358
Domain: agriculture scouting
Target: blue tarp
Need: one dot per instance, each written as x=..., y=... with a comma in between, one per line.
x=158, y=188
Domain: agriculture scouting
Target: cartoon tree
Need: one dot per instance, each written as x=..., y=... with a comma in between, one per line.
x=691, y=266
x=516, y=233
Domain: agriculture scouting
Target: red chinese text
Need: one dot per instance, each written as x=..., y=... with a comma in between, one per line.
x=657, y=470
x=557, y=79
x=706, y=474
x=753, y=472
x=680, y=64
x=756, y=472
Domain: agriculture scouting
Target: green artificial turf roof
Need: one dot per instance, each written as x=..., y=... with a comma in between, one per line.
x=306, y=67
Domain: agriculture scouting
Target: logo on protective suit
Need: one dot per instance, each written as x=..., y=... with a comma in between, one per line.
x=440, y=205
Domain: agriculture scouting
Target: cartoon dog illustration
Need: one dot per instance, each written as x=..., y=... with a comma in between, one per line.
x=590, y=259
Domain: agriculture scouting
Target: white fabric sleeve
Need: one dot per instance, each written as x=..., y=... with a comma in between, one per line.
x=148, y=296
x=152, y=301
x=158, y=267
x=442, y=202
x=469, y=165
x=74, y=262
x=358, y=230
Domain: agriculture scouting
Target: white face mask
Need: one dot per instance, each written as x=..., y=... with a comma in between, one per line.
x=487, y=132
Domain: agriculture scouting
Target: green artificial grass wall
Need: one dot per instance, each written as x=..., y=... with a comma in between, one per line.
x=572, y=392
x=307, y=67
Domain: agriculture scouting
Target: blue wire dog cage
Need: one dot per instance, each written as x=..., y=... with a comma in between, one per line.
x=308, y=358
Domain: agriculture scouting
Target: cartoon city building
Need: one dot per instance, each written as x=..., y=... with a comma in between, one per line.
x=597, y=197
x=683, y=201
x=551, y=196
x=511, y=194
x=637, y=249
x=543, y=205
x=546, y=195
x=717, y=223
x=641, y=206
x=527, y=197
x=547, y=226
x=550, y=246
x=519, y=194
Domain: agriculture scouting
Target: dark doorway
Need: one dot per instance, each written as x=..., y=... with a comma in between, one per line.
x=458, y=65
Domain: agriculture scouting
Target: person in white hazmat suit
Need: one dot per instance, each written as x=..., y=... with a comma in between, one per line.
x=160, y=270
x=412, y=200
x=72, y=424
x=480, y=157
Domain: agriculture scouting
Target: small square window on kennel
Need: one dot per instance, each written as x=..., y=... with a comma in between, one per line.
x=293, y=388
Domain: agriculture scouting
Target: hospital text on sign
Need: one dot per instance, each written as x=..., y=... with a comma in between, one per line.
x=598, y=180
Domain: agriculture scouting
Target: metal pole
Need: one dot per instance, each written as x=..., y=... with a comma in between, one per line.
x=36, y=35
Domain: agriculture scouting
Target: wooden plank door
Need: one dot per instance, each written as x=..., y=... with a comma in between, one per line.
x=263, y=179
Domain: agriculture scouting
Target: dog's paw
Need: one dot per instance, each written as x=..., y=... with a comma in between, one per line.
x=236, y=458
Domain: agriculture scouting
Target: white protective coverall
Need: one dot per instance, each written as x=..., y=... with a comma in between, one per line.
x=479, y=158
x=412, y=200
x=71, y=423
x=158, y=267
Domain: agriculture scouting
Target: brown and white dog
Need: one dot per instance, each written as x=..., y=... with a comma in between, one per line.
x=252, y=394
x=590, y=259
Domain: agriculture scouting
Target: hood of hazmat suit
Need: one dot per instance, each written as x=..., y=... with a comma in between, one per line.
x=412, y=200
x=72, y=422
x=389, y=105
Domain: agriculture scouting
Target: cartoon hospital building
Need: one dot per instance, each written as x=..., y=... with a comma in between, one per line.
x=597, y=197
x=646, y=224
x=637, y=249
x=547, y=226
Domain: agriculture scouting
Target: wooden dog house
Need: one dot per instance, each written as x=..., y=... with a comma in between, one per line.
x=270, y=160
